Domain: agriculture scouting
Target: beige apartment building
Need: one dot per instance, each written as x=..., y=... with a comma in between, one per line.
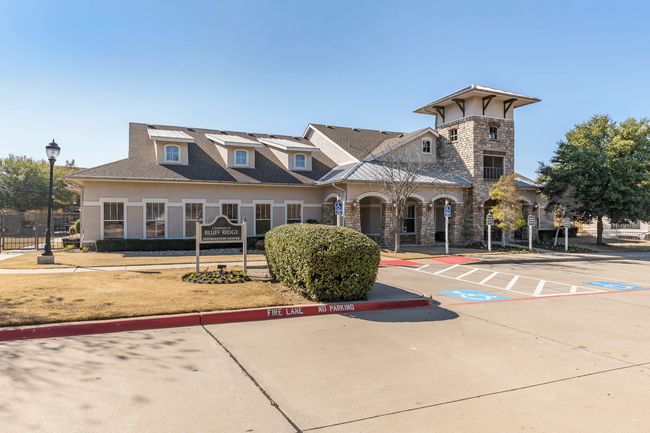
x=174, y=175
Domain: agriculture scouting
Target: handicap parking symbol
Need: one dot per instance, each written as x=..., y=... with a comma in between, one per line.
x=615, y=286
x=473, y=295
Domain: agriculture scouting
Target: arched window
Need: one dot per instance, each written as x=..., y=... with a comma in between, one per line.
x=299, y=161
x=241, y=157
x=171, y=153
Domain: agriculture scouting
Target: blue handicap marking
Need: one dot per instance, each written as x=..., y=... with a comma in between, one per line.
x=339, y=208
x=615, y=286
x=473, y=295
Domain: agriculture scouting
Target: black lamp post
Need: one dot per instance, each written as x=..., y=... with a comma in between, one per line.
x=52, y=151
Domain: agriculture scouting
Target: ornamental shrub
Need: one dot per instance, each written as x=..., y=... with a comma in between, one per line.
x=77, y=226
x=325, y=263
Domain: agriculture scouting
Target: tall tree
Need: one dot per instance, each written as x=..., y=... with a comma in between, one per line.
x=609, y=166
x=24, y=184
x=507, y=212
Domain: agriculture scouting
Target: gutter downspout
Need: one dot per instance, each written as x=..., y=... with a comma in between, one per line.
x=341, y=219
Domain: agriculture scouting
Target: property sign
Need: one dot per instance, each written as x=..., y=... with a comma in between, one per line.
x=338, y=207
x=490, y=219
x=447, y=211
x=531, y=220
x=221, y=230
x=567, y=222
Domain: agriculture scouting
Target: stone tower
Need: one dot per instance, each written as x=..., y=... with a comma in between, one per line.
x=477, y=141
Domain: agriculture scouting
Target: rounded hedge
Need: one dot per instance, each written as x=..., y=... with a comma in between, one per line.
x=325, y=263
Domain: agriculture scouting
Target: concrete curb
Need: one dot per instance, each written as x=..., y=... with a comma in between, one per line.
x=194, y=319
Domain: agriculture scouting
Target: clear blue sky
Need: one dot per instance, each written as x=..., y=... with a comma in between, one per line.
x=80, y=71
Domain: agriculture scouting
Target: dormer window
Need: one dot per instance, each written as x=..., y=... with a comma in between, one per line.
x=426, y=146
x=241, y=158
x=172, y=154
x=299, y=161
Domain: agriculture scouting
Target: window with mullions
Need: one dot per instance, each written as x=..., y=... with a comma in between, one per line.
x=426, y=146
x=231, y=210
x=494, y=133
x=492, y=167
x=113, y=220
x=171, y=153
x=155, y=220
x=299, y=161
x=453, y=135
x=193, y=211
x=262, y=218
x=241, y=157
x=294, y=213
x=408, y=222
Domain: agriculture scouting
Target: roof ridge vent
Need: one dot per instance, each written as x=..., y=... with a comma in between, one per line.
x=151, y=127
x=251, y=134
x=223, y=132
x=297, y=138
x=355, y=129
x=272, y=136
x=400, y=136
x=328, y=126
x=190, y=129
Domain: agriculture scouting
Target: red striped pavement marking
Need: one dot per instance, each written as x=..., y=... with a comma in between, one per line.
x=194, y=319
x=398, y=263
x=454, y=260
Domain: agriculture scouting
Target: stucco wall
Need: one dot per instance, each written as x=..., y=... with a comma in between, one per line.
x=329, y=149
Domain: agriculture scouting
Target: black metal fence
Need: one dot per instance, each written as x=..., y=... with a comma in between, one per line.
x=26, y=230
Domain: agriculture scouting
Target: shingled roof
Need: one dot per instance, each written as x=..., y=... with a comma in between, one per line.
x=357, y=142
x=205, y=161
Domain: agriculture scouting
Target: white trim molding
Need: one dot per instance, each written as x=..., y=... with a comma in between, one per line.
x=372, y=194
x=454, y=199
x=124, y=201
x=164, y=201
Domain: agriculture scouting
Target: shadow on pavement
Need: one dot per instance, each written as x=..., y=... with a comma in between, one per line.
x=408, y=315
x=383, y=292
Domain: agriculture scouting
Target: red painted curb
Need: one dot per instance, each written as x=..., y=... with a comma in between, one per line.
x=454, y=260
x=193, y=319
x=398, y=263
x=99, y=327
x=307, y=310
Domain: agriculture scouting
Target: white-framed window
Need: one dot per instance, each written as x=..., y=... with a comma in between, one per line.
x=426, y=145
x=113, y=220
x=408, y=222
x=299, y=161
x=155, y=221
x=453, y=135
x=494, y=133
x=193, y=211
x=262, y=218
x=172, y=153
x=294, y=213
x=231, y=210
x=241, y=157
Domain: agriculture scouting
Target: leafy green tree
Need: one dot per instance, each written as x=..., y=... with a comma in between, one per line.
x=24, y=184
x=608, y=164
x=507, y=213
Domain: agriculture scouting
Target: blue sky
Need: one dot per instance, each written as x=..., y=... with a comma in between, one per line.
x=80, y=71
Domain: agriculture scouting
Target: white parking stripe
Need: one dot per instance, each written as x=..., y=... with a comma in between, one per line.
x=512, y=282
x=467, y=273
x=440, y=272
x=540, y=287
x=488, y=278
x=422, y=267
x=577, y=273
x=574, y=289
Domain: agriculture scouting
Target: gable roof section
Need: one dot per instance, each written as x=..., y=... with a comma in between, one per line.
x=357, y=142
x=525, y=183
x=395, y=142
x=478, y=90
x=205, y=161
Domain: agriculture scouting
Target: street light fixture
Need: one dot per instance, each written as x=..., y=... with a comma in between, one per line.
x=52, y=150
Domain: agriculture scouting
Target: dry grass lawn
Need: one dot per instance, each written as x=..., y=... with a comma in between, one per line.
x=65, y=259
x=49, y=298
x=610, y=246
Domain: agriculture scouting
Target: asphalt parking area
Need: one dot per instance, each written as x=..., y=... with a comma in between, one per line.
x=569, y=363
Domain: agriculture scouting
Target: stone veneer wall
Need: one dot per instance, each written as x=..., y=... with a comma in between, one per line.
x=328, y=214
x=465, y=157
x=425, y=225
x=352, y=217
x=386, y=234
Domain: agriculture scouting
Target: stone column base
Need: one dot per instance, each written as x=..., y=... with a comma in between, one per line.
x=45, y=260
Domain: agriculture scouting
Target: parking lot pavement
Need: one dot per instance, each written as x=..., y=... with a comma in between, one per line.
x=561, y=363
x=166, y=380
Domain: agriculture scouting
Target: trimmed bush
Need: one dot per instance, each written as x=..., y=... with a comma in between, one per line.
x=72, y=231
x=325, y=263
x=112, y=245
x=77, y=226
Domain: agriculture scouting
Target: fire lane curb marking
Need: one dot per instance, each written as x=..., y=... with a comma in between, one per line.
x=194, y=319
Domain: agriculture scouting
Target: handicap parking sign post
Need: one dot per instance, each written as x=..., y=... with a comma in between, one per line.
x=490, y=223
x=338, y=208
x=447, y=215
x=531, y=223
